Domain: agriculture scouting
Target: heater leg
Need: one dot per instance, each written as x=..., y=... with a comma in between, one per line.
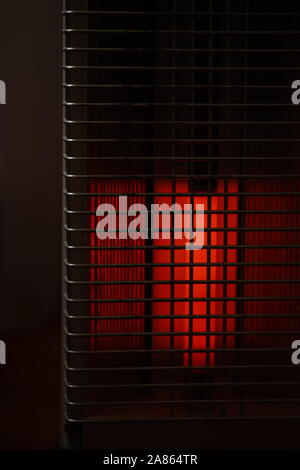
x=72, y=436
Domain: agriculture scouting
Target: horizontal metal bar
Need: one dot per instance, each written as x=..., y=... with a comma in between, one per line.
x=180, y=175
x=69, y=122
x=185, y=282
x=172, y=86
x=181, y=384
x=103, y=317
x=186, y=32
x=172, y=351
x=180, y=68
x=183, y=247
x=182, y=402
x=205, y=229
x=205, y=194
x=233, y=212
x=173, y=419
x=176, y=50
x=168, y=265
x=178, y=368
x=182, y=158
x=179, y=141
x=179, y=333
x=179, y=299
x=179, y=105
x=176, y=13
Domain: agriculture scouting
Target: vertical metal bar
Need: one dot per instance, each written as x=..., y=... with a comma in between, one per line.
x=173, y=186
x=72, y=432
x=148, y=242
x=64, y=431
x=209, y=197
x=191, y=153
x=191, y=253
x=225, y=204
x=245, y=128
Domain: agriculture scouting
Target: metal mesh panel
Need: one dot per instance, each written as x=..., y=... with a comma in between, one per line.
x=182, y=102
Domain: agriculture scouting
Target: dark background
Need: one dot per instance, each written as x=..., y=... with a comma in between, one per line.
x=30, y=208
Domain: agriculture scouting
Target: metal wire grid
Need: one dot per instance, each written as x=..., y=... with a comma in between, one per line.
x=213, y=83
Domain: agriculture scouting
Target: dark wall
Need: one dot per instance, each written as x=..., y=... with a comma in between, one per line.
x=30, y=162
x=30, y=233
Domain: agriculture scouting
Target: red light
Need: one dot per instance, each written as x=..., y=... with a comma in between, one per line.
x=211, y=269
x=113, y=278
x=271, y=263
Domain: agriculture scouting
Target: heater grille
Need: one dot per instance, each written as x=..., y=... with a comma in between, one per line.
x=182, y=103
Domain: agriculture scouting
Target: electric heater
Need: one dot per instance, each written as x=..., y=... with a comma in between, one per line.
x=174, y=103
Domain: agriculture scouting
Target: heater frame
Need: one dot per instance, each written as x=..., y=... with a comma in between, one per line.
x=231, y=143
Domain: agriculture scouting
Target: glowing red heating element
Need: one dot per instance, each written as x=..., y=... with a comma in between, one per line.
x=186, y=286
x=200, y=273
x=118, y=274
x=197, y=283
x=271, y=258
